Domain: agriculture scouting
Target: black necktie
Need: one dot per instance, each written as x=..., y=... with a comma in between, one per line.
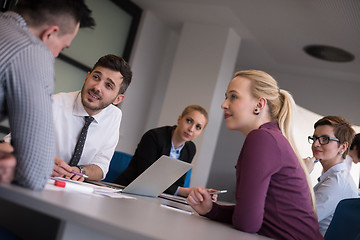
x=80, y=143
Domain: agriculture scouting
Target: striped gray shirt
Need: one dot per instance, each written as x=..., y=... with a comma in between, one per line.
x=26, y=85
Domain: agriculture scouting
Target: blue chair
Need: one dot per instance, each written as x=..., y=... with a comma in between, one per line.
x=7, y=235
x=118, y=164
x=187, y=179
x=346, y=220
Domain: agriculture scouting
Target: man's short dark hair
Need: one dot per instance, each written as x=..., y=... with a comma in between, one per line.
x=356, y=143
x=55, y=12
x=116, y=63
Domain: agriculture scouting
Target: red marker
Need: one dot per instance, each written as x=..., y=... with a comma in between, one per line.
x=74, y=186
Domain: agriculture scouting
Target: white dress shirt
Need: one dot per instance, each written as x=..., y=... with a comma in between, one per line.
x=102, y=136
x=334, y=185
x=354, y=169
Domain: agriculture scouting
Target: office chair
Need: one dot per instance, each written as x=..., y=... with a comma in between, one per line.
x=7, y=235
x=345, y=223
x=187, y=179
x=118, y=164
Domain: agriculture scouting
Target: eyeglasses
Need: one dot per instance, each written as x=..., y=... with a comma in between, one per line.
x=323, y=140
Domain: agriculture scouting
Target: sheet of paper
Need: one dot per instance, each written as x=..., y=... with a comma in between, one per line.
x=174, y=198
x=98, y=190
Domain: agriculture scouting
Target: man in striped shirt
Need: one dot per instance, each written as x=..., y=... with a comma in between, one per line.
x=31, y=36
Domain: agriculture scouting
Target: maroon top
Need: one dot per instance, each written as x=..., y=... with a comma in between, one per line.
x=272, y=194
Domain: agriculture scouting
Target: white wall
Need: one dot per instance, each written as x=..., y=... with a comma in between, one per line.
x=152, y=63
x=329, y=96
x=151, y=58
x=204, y=61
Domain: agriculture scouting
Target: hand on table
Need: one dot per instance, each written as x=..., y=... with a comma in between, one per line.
x=184, y=191
x=6, y=147
x=7, y=167
x=200, y=200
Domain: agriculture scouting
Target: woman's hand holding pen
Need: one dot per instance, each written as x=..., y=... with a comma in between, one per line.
x=213, y=193
x=184, y=192
x=200, y=200
x=310, y=163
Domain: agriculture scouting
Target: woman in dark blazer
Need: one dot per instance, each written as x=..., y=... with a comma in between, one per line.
x=170, y=141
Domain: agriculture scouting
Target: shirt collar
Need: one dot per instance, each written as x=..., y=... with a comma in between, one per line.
x=178, y=150
x=336, y=168
x=17, y=17
x=20, y=21
x=270, y=125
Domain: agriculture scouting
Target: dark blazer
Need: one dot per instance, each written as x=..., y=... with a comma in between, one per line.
x=153, y=144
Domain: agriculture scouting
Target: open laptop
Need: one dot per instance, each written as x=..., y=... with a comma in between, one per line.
x=158, y=177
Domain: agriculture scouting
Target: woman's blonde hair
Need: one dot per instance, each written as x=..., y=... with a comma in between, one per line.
x=281, y=107
x=198, y=108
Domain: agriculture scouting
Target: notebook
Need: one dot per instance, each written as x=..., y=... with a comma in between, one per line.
x=158, y=177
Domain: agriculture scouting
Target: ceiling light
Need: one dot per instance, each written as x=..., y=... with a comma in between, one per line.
x=329, y=53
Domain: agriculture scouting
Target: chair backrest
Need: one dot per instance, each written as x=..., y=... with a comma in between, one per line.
x=346, y=221
x=187, y=178
x=118, y=164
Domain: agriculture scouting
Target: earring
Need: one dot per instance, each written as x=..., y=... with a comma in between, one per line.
x=256, y=111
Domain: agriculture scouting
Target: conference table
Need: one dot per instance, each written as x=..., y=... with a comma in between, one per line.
x=66, y=215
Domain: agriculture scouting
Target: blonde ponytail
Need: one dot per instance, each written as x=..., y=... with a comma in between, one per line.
x=285, y=121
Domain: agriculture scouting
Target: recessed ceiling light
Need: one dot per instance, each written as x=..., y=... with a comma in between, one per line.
x=329, y=53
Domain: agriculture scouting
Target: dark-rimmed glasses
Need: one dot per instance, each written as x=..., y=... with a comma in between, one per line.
x=323, y=140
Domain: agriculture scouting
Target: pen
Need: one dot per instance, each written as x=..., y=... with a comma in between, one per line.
x=218, y=192
x=79, y=174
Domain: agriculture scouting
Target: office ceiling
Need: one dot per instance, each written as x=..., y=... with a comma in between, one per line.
x=275, y=32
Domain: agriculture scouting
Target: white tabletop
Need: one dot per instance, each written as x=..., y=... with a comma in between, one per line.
x=140, y=218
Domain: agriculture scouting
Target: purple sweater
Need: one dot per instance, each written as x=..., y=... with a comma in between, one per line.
x=272, y=194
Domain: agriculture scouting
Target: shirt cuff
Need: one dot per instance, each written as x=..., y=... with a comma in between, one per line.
x=176, y=192
x=212, y=212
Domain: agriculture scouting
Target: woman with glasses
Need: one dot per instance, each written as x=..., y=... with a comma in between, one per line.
x=330, y=143
x=273, y=196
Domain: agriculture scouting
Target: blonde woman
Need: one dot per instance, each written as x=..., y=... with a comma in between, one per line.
x=173, y=141
x=272, y=191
